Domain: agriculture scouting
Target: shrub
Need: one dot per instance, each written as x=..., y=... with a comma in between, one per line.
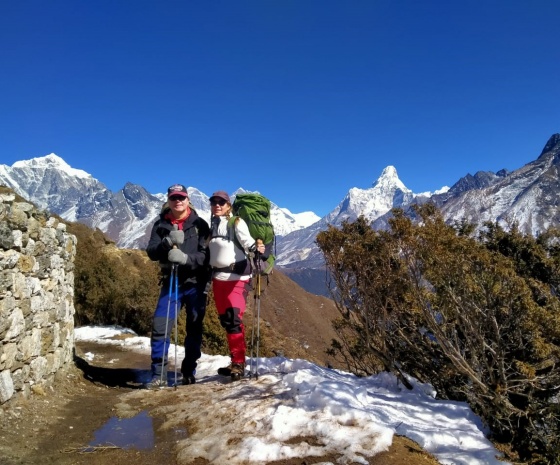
x=477, y=317
x=112, y=287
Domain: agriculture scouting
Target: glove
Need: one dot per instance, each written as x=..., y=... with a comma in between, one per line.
x=167, y=243
x=177, y=257
x=177, y=237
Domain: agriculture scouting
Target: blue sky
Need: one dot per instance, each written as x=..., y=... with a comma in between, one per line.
x=300, y=100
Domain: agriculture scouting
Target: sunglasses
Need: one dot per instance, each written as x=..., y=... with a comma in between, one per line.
x=220, y=202
x=174, y=198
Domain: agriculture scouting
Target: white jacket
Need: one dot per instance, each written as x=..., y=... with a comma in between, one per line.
x=224, y=251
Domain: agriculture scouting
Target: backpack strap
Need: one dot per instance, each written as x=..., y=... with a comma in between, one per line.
x=214, y=230
x=231, y=232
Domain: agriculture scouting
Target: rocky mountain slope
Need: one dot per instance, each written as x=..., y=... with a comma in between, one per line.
x=528, y=196
x=125, y=216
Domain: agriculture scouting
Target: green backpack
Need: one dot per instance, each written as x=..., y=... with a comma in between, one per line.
x=255, y=211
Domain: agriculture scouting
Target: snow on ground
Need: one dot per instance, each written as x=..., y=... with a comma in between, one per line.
x=354, y=416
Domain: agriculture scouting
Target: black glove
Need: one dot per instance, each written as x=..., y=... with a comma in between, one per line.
x=177, y=257
x=167, y=243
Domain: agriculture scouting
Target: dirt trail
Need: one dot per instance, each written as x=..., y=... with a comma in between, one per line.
x=58, y=425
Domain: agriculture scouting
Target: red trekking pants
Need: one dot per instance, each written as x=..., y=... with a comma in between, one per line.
x=231, y=301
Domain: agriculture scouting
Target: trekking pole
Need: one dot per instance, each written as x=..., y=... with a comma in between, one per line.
x=252, y=340
x=176, y=312
x=258, y=299
x=165, y=349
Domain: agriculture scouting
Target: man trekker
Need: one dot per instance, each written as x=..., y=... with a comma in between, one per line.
x=179, y=242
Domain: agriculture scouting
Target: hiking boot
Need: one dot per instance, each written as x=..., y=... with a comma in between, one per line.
x=225, y=371
x=237, y=371
x=188, y=380
x=156, y=383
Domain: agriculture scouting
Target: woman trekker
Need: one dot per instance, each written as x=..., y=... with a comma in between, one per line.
x=230, y=242
x=179, y=241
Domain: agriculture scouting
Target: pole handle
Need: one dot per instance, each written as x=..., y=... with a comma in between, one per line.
x=175, y=228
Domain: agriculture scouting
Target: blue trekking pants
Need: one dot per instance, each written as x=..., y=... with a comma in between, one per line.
x=193, y=299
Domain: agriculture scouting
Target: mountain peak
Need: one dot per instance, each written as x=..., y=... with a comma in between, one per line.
x=390, y=178
x=51, y=161
x=551, y=143
x=390, y=171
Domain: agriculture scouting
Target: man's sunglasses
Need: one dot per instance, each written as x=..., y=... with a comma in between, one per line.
x=220, y=202
x=174, y=198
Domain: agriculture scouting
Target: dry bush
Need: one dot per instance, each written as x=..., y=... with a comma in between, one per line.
x=477, y=317
x=112, y=287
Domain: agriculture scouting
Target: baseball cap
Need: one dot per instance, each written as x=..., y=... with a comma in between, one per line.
x=221, y=195
x=177, y=189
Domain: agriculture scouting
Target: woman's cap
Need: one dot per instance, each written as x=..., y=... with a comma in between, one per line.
x=221, y=195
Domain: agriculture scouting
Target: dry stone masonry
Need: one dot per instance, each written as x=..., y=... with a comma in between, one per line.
x=36, y=297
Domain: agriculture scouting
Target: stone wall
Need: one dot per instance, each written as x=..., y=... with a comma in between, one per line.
x=36, y=297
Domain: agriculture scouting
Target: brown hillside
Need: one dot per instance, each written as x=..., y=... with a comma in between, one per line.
x=297, y=324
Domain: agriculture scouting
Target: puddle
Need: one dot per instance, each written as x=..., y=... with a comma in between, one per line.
x=130, y=433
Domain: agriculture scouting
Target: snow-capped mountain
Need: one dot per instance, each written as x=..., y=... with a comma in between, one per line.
x=386, y=193
x=125, y=216
x=529, y=196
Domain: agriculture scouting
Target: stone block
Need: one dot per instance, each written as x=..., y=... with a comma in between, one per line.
x=8, y=353
x=18, y=239
x=6, y=386
x=40, y=319
x=38, y=368
x=20, y=289
x=8, y=259
x=17, y=325
x=52, y=222
x=47, y=342
x=33, y=229
x=17, y=218
x=6, y=236
x=48, y=237
x=20, y=376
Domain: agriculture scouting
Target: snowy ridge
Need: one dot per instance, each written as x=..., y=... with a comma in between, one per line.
x=49, y=162
x=528, y=196
x=125, y=216
x=387, y=192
